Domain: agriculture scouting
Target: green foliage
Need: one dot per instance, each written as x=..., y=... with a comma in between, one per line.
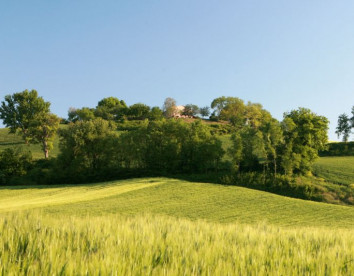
x=256, y=139
x=81, y=114
x=344, y=127
x=87, y=147
x=305, y=133
x=45, y=132
x=171, y=146
x=190, y=110
x=138, y=111
x=111, y=108
x=204, y=111
x=338, y=149
x=155, y=113
x=220, y=129
x=169, y=107
x=127, y=125
x=10, y=140
x=14, y=162
x=29, y=115
x=20, y=111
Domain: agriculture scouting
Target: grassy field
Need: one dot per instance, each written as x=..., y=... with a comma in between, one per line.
x=161, y=226
x=172, y=197
x=336, y=169
x=32, y=244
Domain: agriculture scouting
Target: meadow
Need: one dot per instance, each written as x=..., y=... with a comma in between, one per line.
x=339, y=169
x=162, y=226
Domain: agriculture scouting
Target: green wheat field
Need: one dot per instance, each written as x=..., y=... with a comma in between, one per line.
x=161, y=226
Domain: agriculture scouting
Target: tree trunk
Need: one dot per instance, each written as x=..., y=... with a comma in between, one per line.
x=45, y=149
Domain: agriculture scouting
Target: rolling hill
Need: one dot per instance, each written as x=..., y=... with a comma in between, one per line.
x=162, y=226
x=176, y=198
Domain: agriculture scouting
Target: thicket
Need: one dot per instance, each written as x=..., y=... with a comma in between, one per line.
x=93, y=149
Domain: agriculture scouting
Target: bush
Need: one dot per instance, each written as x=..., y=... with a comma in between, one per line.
x=14, y=163
x=339, y=149
x=279, y=184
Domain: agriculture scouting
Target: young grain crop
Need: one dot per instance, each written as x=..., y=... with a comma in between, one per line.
x=34, y=244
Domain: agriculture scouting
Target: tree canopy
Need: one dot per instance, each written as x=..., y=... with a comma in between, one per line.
x=29, y=115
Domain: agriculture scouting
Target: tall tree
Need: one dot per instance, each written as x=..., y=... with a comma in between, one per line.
x=344, y=127
x=29, y=115
x=169, y=107
x=20, y=111
x=305, y=133
x=204, y=111
x=190, y=110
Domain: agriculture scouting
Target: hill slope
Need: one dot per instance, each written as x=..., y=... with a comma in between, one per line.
x=176, y=198
x=336, y=169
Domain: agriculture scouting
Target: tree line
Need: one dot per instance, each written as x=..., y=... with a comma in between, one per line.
x=92, y=148
x=345, y=125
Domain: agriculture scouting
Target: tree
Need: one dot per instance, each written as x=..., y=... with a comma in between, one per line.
x=344, y=127
x=111, y=108
x=22, y=110
x=155, y=113
x=190, y=110
x=204, y=111
x=218, y=104
x=14, y=162
x=87, y=147
x=81, y=114
x=29, y=115
x=138, y=111
x=169, y=107
x=255, y=143
x=305, y=133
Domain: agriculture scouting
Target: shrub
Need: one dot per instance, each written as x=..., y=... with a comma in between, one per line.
x=14, y=163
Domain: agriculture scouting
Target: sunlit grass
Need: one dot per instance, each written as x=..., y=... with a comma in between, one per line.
x=336, y=169
x=177, y=198
x=33, y=244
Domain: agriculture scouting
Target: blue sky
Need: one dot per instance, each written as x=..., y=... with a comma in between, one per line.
x=282, y=54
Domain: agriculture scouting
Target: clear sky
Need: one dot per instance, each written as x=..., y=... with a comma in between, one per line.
x=282, y=54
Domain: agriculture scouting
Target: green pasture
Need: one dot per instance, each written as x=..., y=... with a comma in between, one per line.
x=175, y=198
x=338, y=170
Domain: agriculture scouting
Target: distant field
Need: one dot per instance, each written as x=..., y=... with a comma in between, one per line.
x=183, y=199
x=161, y=226
x=336, y=169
